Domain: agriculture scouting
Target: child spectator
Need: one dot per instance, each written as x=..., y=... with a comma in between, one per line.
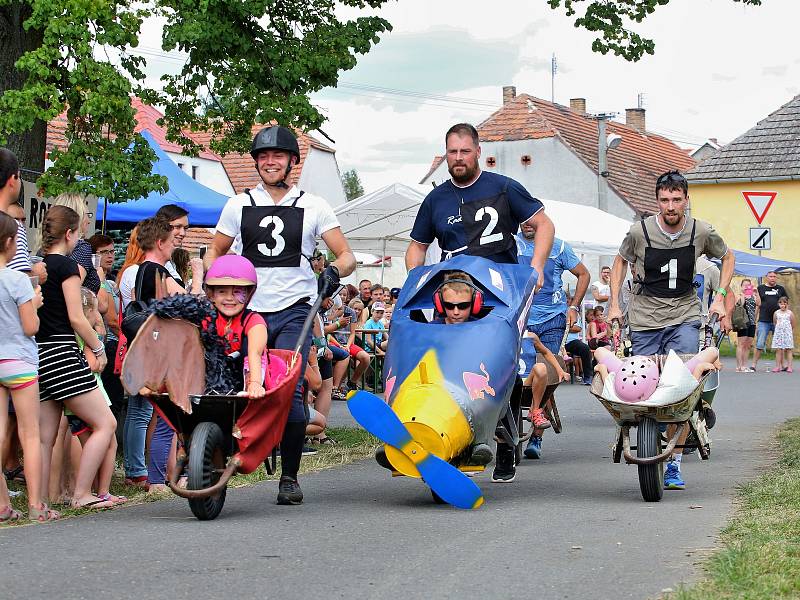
x=783, y=337
x=19, y=360
x=65, y=375
x=376, y=341
x=598, y=330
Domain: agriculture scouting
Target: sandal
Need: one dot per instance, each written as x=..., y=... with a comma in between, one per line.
x=16, y=474
x=42, y=514
x=327, y=441
x=94, y=505
x=113, y=499
x=9, y=515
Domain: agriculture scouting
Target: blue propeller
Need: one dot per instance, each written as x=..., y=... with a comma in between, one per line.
x=450, y=484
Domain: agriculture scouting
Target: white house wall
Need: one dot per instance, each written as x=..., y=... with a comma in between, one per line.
x=321, y=176
x=210, y=173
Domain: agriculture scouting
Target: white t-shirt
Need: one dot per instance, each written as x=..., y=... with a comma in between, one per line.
x=280, y=287
x=603, y=289
x=126, y=284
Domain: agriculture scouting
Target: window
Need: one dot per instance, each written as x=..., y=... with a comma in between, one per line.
x=194, y=171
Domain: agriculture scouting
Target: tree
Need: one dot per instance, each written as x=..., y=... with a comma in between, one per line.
x=352, y=184
x=610, y=17
x=263, y=57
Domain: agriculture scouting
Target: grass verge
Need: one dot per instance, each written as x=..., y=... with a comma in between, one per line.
x=760, y=557
x=353, y=444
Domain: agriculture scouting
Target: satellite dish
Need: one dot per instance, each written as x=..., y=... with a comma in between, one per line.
x=613, y=140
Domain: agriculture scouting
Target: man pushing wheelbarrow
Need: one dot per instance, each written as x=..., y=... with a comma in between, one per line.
x=664, y=310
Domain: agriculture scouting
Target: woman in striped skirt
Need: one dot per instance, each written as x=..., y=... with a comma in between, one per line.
x=65, y=374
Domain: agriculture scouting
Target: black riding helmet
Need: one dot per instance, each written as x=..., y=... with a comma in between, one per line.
x=276, y=138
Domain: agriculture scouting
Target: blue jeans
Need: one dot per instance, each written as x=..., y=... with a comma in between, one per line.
x=133, y=435
x=284, y=329
x=762, y=331
x=160, y=445
x=684, y=338
x=551, y=332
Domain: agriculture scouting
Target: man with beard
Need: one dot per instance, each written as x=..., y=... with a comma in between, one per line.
x=476, y=212
x=276, y=226
x=664, y=311
x=479, y=213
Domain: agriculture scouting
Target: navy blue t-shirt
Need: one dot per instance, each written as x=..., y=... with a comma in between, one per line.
x=461, y=229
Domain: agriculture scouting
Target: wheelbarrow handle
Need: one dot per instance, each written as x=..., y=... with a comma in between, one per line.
x=307, y=325
x=230, y=471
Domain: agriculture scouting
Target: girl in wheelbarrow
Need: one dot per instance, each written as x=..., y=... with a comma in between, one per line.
x=230, y=283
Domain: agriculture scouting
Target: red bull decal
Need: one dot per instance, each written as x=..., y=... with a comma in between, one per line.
x=478, y=385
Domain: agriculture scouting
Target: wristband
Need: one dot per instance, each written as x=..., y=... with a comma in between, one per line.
x=99, y=351
x=722, y=291
x=572, y=307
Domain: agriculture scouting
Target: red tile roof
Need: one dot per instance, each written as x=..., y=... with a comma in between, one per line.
x=241, y=168
x=196, y=238
x=437, y=160
x=634, y=165
x=146, y=118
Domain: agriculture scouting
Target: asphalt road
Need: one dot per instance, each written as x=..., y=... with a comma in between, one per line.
x=573, y=525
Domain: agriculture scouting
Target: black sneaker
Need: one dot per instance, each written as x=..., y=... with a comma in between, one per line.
x=309, y=451
x=504, y=469
x=289, y=491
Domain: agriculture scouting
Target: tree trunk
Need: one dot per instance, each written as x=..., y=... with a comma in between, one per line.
x=30, y=147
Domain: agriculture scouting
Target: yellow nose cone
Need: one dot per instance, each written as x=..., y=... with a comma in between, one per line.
x=434, y=420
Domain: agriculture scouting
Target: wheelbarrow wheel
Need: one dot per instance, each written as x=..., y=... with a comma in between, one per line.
x=437, y=498
x=648, y=444
x=206, y=462
x=551, y=412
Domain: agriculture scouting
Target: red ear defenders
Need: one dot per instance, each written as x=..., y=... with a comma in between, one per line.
x=476, y=300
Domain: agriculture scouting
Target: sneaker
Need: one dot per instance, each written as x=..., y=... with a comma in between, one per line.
x=587, y=382
x=539, y=420
x=504, y=469
x=534, y=447
x=289, y=491
x=309, y=451
x=672, y=477
x=481, y=455
x=338, y=394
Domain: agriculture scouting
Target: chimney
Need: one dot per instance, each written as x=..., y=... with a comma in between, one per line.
x=578, y=105
x=634, y=117
x=509, y=93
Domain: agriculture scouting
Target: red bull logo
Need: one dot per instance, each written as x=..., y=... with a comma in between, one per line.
x=478, y=385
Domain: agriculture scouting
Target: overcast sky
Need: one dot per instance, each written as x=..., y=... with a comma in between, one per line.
x=718, y=68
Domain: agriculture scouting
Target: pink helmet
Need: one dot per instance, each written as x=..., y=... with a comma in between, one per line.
x=636, y=379
x=232, y=269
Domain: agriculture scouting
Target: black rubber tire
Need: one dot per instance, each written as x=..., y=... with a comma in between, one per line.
x=437, y=498
x=648, y=443
x=206, y=461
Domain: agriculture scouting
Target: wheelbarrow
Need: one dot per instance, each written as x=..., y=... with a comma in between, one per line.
x=219, y=435
x=652, y=447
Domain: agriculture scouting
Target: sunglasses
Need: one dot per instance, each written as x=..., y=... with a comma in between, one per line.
x=458, y=305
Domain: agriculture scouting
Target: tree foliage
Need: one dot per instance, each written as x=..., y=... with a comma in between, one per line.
x=352, y=184
x=263, y=56
x=610, y=18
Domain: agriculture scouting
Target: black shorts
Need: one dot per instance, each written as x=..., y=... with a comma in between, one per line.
x=749, y=331
x=325, y=368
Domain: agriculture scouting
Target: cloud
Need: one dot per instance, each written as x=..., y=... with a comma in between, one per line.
x=723, y=78
x=775, y=70
x=438, y=61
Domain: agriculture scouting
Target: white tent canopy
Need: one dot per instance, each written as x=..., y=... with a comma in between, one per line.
x=380, y=222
